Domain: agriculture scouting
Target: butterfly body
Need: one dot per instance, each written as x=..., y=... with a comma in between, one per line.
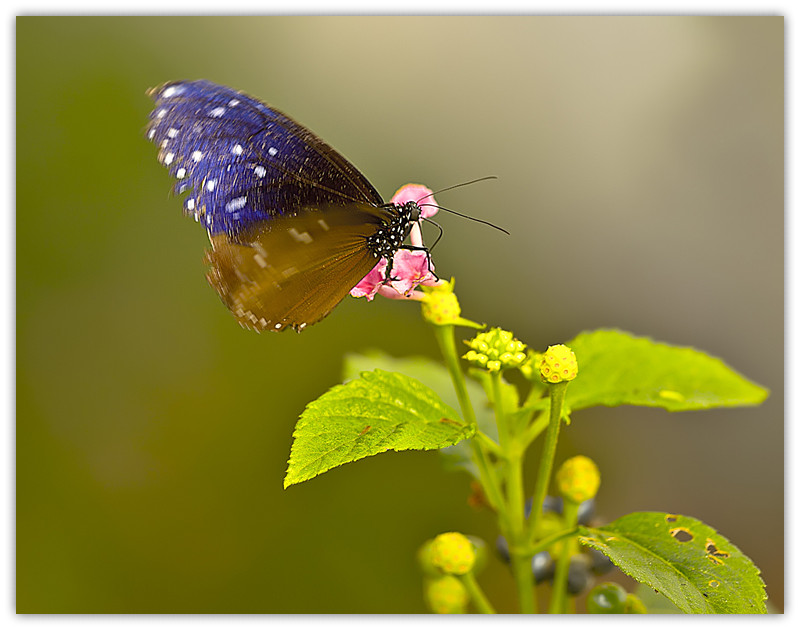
x=293, y=225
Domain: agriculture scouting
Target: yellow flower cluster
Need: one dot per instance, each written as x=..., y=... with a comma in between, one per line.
x=496, y=350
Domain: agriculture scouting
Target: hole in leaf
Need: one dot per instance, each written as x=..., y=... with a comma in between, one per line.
x=713, y=583
x=714, y=554
x=712, y=550
x=681, y=534
x=671, y=518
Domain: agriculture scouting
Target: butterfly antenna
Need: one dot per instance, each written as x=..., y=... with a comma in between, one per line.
x=465, y=216
x=441, y=232
x=474, y=181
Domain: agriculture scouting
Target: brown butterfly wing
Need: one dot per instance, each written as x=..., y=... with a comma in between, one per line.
x=291, y=272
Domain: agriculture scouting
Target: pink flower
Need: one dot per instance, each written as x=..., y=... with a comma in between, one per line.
x=372, y=282
x=410, y=268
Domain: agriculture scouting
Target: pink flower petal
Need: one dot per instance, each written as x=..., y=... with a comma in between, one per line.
x=409, y=269
x=416, y=192
x=371, y=284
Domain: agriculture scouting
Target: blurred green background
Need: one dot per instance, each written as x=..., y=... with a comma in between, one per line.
x=640, y=165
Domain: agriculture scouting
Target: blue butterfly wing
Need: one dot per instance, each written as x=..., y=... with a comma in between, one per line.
x=242, y=162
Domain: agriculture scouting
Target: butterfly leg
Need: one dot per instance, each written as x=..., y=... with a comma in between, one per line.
x=412, y=248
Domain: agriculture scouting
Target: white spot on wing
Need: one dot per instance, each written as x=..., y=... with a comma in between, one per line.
x=197, y=156
x=237, y=149
x=172, y=90
x=216, y=112
x=172, y=132
x=260, y=171
x=235, y=204
x=323, y=224
x=272, y=151
x=233, y=102
x=210, y=184
x=300, y=237
x=260, y=249
x=180, y=173
x=168, y=158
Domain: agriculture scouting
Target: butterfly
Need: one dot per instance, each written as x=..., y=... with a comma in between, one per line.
x=293, y=225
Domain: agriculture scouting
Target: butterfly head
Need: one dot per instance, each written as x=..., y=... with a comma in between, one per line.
x=388, y=239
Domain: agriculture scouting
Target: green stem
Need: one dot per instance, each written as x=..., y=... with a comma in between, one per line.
x=551, y=540
x=476, y=594
x=489, y=444
x=559, y=597
x=557, y=392
x=520, y=557
x=523, y=577
x=515, y=500
x=445, y=337
x=515, y=496
x=503, y=430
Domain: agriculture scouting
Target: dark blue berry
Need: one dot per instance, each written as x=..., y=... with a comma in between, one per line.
x=553, y=504
x=543, y=566
x=585, y=511
x=578, y=576
x=502, y=549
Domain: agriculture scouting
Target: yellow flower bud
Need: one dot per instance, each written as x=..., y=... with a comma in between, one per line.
x=446, y=595
x=558, y=364
x=440, y=306
x=452, y=553
x=578, y=479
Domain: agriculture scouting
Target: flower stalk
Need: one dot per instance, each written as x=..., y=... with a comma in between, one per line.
x=477, y=595
x=557, y=395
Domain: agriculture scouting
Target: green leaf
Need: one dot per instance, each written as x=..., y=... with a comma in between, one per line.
x=697, y=569
x=423, y=369
x=377, y=412
x=435, y=376
x=616, y=368
x=655, y=602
